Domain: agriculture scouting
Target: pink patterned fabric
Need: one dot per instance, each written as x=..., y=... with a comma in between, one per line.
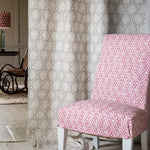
x=120, y=100
x=123, y=71
x=107, y=118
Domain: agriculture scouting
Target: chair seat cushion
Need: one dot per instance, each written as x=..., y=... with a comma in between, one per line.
x=104, y=118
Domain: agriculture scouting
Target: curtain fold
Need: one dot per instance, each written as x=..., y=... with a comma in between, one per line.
x=98, y=20
x=148, y=17
x=65, y=39
x=58, y=62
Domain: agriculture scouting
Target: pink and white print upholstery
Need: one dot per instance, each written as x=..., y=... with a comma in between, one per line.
x=120, y=100
x=107, y=118
x=123, y=70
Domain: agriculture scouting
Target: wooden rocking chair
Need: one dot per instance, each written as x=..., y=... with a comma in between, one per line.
x=9, y=75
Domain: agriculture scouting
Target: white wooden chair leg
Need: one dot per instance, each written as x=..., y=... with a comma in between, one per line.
x=62, y=138
x=96, y=141
x=144, y=140
x=127, y=144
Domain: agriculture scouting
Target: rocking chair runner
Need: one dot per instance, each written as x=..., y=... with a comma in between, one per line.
x=9, y=75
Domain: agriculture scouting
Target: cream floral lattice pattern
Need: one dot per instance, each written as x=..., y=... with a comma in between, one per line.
x=120, y=103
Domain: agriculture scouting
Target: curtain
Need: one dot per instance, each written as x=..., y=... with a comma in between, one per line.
x=65, y=38
x=148, y=17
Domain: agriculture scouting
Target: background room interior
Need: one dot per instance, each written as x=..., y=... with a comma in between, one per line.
x=13, y=107
x=16, y=37
x=64, y=38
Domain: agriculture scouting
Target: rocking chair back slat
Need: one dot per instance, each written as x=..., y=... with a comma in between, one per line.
x=24, y=62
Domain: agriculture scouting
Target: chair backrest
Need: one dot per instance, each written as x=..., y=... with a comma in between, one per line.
x=124, y=69
x=24, y=62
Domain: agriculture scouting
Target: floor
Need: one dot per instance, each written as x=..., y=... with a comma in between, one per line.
x=13, y=122
x=16, y=146
x=28, y=146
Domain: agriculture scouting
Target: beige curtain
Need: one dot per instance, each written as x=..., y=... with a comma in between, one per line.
x=148, y=17
x=65, y=38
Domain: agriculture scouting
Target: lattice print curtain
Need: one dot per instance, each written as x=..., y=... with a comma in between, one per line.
x=65, y=38
x=148, y=18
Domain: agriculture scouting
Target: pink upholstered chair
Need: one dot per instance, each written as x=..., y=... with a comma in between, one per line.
x=120, y=101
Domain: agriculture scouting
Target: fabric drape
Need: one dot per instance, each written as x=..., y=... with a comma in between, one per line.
x=65, y=38
x=148, y=17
